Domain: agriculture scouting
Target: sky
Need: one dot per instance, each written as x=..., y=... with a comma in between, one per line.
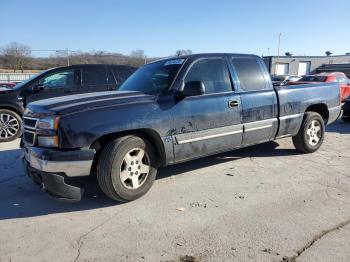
x=160, y=27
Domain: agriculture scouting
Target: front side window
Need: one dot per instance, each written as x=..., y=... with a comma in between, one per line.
x=60, y=79
x=250, y=74
x=213, y=73
x=154, y=78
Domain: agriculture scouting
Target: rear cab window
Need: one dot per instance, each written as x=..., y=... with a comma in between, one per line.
x=250, y=74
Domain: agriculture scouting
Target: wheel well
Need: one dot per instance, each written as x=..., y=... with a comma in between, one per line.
x=321, y=109
x=149, y=134
x=12, y=109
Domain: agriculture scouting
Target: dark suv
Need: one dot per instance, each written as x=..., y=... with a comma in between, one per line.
x=61, y=81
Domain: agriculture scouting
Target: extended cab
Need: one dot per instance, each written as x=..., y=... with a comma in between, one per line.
x=167, y=112
x=55, y=82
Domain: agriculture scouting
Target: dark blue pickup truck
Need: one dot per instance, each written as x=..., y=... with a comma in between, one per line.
x=167, y=112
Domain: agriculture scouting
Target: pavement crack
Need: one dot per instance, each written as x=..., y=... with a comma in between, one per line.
x=315, y=239
x=82, y=238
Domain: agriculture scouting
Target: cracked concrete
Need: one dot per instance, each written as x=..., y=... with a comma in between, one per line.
x=263, y=203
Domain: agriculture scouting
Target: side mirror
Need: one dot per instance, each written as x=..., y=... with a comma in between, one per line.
x=193, y=88
x=37, y=88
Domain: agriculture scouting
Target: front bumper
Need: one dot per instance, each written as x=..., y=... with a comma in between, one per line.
x=57, y=172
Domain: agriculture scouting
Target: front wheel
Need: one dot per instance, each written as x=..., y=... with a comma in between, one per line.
x=127, y=168
x=311, y=133
x=10, y=125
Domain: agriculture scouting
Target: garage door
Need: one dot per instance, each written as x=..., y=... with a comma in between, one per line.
x=282, y=69
x=304, y=68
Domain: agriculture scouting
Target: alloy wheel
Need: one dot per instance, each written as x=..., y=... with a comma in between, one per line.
x=134, y=168
x=9, y=126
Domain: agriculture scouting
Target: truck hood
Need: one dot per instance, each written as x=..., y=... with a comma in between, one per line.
x=81, y=102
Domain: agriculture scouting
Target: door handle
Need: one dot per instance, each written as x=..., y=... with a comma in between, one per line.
x=233, y=103
x=68, y=91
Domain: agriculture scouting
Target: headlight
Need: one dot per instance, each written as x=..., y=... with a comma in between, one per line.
x=48, y=141
x=49, y=123
x=47, y=131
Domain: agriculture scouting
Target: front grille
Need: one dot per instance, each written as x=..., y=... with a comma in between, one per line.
x=29, y=122
x=29, y=137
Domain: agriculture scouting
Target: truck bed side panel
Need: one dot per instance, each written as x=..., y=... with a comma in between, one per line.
x=295, y=100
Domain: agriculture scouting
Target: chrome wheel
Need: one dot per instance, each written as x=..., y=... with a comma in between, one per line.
x=134, y=168
x=314, y=132
x=9, y=126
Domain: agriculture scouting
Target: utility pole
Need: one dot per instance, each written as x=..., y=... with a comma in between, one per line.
x=279, y=45
x=67, y=51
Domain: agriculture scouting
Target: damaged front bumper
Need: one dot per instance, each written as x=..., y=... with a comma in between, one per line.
x=58, y=172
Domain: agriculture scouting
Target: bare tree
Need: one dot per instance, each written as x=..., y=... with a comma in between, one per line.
x=183, y=52
x=328, y=53
x=138, y=53
x=16, y=55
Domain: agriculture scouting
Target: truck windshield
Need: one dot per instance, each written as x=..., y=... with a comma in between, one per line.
x=313, y=79
x=153, y=78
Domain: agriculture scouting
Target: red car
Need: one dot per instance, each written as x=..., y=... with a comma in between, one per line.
x=344, y=82
x=7, y=85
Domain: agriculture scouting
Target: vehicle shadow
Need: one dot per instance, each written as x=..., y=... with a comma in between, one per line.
x=340, y=127
x=268, y=149
x=19, y=198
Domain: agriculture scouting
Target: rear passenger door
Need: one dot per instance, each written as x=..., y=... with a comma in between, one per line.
x=259, y=101
x=208, y=123
x=94, y=79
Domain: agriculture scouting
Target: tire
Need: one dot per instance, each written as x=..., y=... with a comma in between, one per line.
x=311, y=133
x=10, y=125
x=121, y=168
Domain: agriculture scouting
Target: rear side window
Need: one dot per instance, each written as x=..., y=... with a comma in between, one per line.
x=93, y=76
x=250, y=74
x=213, y=73
x=121, y=74
x=314, y=78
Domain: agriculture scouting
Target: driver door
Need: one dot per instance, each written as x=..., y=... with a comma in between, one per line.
x=58, y=83
x=208, y=123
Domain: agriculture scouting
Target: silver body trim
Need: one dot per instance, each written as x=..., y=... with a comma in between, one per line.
x=257, y=128
x=208, y=134
x=70, y=168
x=223, y=131
x=291, y=116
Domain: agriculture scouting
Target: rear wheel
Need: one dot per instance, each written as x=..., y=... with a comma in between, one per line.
x=311, y=134
x=127, y=168
x=10, y=125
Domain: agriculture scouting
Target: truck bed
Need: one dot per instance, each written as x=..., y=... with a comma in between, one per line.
x=294, y=100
